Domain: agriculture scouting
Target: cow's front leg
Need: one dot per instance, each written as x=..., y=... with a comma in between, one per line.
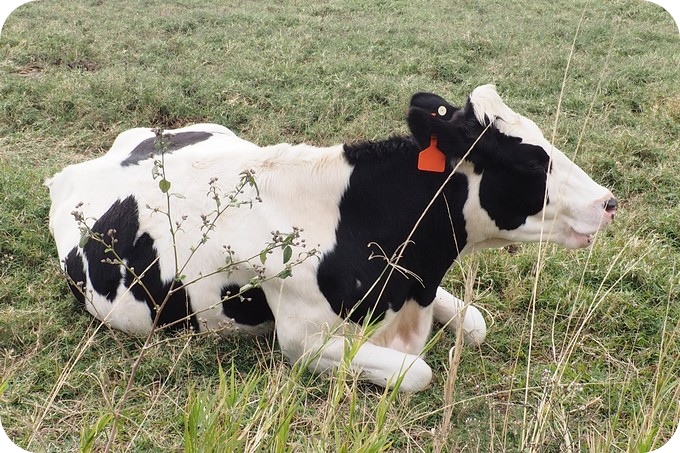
x=377, y=364
x=447, y=308
x=324, y=351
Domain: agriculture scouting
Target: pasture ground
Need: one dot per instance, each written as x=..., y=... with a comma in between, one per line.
x=582, y=351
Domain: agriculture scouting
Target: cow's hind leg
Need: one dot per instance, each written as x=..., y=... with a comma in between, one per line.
x=447, y=308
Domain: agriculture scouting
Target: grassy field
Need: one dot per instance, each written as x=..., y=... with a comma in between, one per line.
x=583, y=350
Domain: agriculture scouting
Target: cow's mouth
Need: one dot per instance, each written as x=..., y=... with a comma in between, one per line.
x=581, y=240
x=585, y=239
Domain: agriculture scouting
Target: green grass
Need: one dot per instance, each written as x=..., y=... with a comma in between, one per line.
x=590, y=363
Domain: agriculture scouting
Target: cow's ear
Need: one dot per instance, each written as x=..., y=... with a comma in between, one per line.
x=430, y=115
x=436, y=105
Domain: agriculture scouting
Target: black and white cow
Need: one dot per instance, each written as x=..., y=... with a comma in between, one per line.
x=358, y=204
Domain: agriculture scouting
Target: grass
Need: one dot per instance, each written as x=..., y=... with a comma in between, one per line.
x=582, y=352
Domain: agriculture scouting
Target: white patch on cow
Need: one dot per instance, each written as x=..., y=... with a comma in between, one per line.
x=346, y=343
x=126, y=314
x=576, y=203
x=480, y=228
x=489, y=107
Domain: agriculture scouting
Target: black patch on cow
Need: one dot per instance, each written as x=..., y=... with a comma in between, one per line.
x=117, y=229
x=176, y=310
x=513, y=176
x=509, y=196
x=251, y=309
x=385, y=196
x=170, y=142
x=75, y=270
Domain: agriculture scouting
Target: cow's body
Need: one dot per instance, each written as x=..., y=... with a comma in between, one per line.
x=357, y=206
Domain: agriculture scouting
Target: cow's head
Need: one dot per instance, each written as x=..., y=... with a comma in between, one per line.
x=521, y=188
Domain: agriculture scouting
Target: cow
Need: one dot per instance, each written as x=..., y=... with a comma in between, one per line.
x=338, y=249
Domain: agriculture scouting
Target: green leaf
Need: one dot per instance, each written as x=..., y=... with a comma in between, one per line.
x=3, y=386
x=287, y=253
x=90, y=433
x=84, y=237
x=287, y=272
x=263, y=256
x=164, y=185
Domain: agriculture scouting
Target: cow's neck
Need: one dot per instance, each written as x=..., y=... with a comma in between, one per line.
x=379, y=212
x=392, y=194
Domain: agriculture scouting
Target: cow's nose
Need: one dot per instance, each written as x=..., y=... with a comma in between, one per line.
x=610, y=206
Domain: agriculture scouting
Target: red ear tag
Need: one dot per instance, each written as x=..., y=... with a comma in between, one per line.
x=432, y=158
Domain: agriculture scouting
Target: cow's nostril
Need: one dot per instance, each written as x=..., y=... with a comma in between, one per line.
x=610, y=206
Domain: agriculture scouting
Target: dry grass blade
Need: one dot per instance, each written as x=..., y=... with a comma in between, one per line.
x=441, y=441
